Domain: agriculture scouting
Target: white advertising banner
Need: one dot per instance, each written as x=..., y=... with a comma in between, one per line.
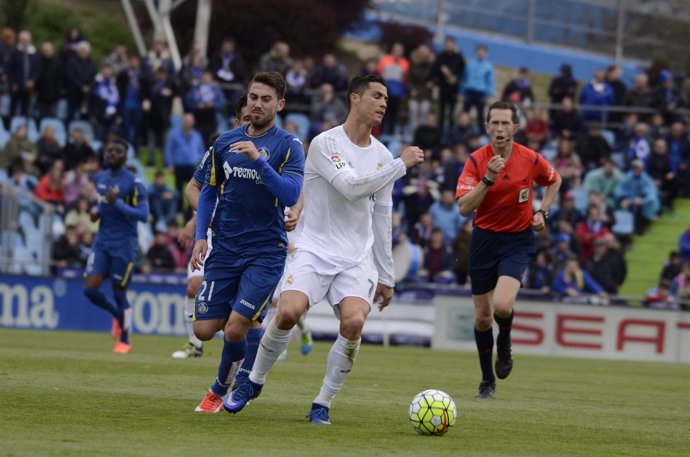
x=574, y=330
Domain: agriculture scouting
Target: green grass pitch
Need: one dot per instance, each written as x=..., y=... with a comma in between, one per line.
x=66, y=394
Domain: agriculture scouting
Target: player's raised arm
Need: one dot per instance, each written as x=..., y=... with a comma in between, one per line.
x=329, y=164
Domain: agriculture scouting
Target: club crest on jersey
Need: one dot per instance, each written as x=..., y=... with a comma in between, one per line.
x=202, y=308
x=523, y=196
x=337, y=161
x=379, y=166
x=289, y=280
x=263, y=150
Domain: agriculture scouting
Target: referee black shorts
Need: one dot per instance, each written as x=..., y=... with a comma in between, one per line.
x=494, y=254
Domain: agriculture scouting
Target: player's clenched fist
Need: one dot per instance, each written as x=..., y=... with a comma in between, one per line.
x=412, y=156
x=199, y=254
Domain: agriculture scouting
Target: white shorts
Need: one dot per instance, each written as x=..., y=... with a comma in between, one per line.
x=200, y=272
x=302, y=274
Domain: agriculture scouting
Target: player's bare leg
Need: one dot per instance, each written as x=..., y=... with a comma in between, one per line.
x=353, y=313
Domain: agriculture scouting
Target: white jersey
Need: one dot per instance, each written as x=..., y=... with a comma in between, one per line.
x=343, y=183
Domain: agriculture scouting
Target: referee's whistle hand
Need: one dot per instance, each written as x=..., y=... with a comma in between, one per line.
x=199, y=254
x=412, y=156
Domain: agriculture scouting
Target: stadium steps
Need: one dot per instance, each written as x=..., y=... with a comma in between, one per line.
x=650, y=252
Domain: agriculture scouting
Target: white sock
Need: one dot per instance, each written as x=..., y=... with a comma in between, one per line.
x=188, y=312
x=273, y=343
x=341, y=358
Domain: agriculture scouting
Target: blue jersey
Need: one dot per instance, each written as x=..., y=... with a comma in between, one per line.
x=249, y=216
x=118, y=225
x=203, y=167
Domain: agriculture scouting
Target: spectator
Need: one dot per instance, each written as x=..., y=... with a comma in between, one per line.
x=8, y=40
x=69, y=49
x=117, y=59
x=395, y=69
x=163, y=201
x=540, y=272
x=461, y=249
x=478, y=84
x=590, y=230
x=134, y=87
x=680, y=288
x=296, y=79
x=572, y=281
x=159, y=57
x=206, y=100
x=604, y=181
x=562, y=86
x=684, y=245
x=438, y=257
x=642, y=96
x=159, y=256
x=77, y=149
x=80, y=74
x=326, y=107
x=613, y=78
x=191, y=72
x=75, y=183
x=679, y=151
x=599, y=94
x=48, y=149
x=162, y=93
x=537, y=129
x=50, y=187
x=447, y=72
x=330, y=71
x=452, y=164
x=519, y=88
x=637, y=193
x=428, y=135
x=277, y=59
x=669, y=98
x=639, y=145
x=22, y=69
x=445, y=215
x=229, y=69
x=606, y=265
x=183, y=151
x=592, y=147
x=421, y=230
x=673, y=266
x=419, y=100
x=49, y=82
x=566, y=122
x=105, y=100
x=561, y=250
x=568, y=165
x=370, y=66
x=659, y=169
x=566, y=211
x=80, y=217
x=66, y=249
x=461, y=132
x=660, y=297
x=20, y=150
x=606, y=211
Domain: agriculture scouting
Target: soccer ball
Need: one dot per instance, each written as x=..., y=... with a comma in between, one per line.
x=432, y=412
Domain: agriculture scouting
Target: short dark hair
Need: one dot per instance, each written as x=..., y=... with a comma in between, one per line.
x=272, y=79
x=241, y=103
x=119, y=141
x=360, y=83
x=503, y=105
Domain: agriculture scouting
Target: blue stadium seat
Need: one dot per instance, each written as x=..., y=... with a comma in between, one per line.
x=4, y=106
x=61, y=109
x=609, y=136
x=581, y=198
x=58, y=125
x=29, y=122
x=618, y=159
x=84, y=126
x=4, y=137
x=625, y=223
x=302, y=122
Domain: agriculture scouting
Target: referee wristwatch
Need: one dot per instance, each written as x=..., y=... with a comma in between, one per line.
x=544, y=213
x=487, y=182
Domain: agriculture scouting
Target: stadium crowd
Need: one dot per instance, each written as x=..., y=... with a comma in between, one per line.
x=623, y=152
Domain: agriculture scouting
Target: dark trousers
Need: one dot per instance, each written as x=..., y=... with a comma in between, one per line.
x=183, y=173
x=446, y=104
x=22, y=98
x=476, y=99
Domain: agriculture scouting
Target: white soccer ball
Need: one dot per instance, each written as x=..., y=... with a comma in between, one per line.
x=432, y=412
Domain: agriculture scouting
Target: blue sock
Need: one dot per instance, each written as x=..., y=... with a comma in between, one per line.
x=122, y=306
x=253, y=339
x=233, y=352
x=99, y=299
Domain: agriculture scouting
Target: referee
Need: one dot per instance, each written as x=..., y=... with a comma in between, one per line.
x=498, y=182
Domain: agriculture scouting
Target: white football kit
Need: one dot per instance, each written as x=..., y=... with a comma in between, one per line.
x=344, y=248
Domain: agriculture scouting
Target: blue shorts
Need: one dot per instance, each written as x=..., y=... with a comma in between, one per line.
x=494, y=254
x=116, y=263
x=244, y=285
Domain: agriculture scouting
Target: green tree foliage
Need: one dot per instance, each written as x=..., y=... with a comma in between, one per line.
x=14, y=13
x=310, y=27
